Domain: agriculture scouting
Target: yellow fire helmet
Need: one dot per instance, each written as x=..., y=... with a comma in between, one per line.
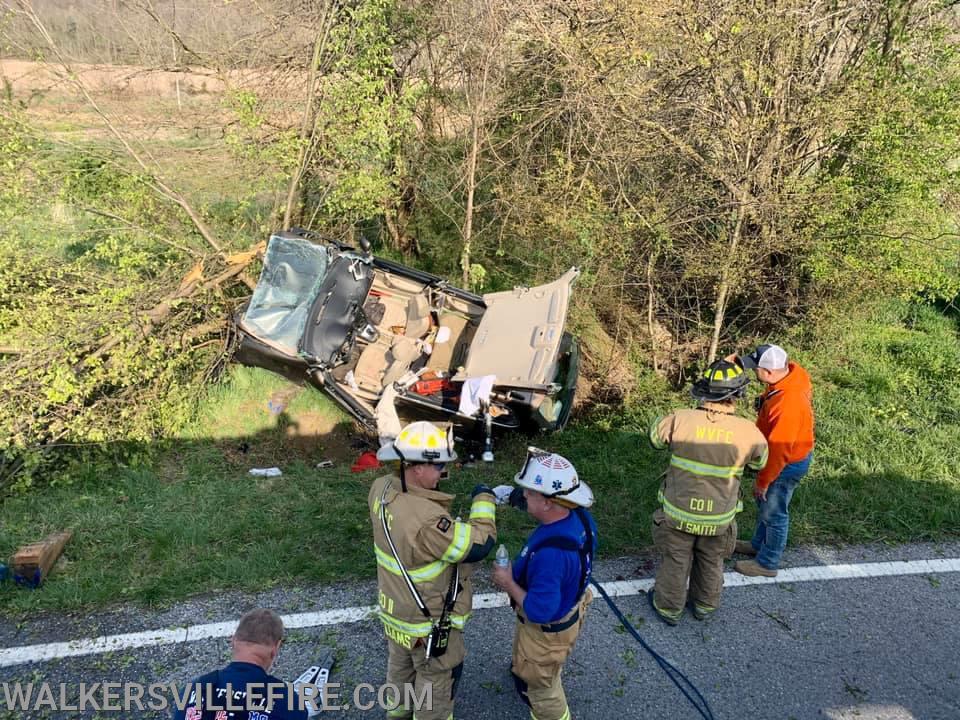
x=553, y=476
x=421, y=442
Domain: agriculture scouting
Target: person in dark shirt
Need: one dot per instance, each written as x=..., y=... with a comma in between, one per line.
x=547, y=582
x=244, y=689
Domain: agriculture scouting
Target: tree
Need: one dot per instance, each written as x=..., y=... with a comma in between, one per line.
x=707, y=133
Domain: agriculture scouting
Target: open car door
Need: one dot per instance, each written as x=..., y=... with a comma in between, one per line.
x=519, y=337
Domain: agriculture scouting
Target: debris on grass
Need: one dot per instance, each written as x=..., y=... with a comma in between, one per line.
x=32, y=563
x=280, y=399
x=266, y=472
x=366, y=461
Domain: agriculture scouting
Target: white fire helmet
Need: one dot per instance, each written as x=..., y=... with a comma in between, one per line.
x=554, y=477
x=421, y=442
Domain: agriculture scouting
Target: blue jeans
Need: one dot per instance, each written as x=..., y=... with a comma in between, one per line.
x=773, y=514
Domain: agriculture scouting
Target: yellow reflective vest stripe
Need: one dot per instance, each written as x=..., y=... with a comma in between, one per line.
x=418, y=629
x=699, y=468
x=482, y=509
x=565, y=716
x=460, y=545
x=758, y=465
x=654, y=434
x=430, y=543
x=682, y=515
x=420, y=574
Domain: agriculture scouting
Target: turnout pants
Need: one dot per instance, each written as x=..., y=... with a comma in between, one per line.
x=694, y=558
x=539, y=652
x=419, y=679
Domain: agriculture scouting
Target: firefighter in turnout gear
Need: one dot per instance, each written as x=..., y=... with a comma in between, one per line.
x=547, y=582
x=695, y=528
x=424, y=561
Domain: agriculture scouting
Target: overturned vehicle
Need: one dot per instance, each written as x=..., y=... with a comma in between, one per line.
x=385, y=340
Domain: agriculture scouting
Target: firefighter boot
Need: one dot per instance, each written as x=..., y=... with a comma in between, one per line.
x=700, y=612
x=670, y=618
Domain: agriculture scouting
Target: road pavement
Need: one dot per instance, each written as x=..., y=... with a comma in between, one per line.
x=883, y=648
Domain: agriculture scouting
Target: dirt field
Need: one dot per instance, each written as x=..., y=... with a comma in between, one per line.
x=23, y=76
x=134, y=81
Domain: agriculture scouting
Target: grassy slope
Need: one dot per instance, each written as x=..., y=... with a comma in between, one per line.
x=188, y=517
x=889, y=425
x=191, y=519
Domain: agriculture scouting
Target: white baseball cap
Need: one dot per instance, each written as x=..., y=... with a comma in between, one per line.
x=768, y=357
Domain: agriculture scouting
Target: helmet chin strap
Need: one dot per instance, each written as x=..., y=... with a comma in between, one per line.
x=403, y=464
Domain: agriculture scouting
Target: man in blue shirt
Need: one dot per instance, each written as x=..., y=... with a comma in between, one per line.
x=244, y=689
x=547, y=583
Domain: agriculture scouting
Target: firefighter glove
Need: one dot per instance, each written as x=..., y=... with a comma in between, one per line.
x=517, y=499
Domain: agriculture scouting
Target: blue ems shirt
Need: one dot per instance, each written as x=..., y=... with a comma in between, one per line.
x=240, y=676
x=553, y=575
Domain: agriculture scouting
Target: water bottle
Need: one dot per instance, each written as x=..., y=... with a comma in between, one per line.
x=503, y=557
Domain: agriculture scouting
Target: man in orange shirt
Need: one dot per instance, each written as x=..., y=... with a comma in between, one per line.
x=785, y=417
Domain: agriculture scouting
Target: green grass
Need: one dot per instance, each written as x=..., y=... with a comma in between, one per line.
x=190, y=519
x=888, y=411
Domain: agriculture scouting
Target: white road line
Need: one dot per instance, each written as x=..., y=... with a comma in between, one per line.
x=113, y=643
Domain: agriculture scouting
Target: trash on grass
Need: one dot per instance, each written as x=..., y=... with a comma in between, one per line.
x=266, y=472
x=280, y=399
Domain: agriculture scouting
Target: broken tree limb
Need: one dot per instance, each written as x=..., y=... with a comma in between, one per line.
x=192, y=277
x=189, y=286
x=200, y=331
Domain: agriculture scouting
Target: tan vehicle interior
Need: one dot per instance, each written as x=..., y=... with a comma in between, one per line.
x=410, y=320
x=383, y=339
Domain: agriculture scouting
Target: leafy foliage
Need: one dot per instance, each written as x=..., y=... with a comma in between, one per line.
x=723, y=164
x=717, y=170
x=364, y=119
x=891, y=224
x=91, y=362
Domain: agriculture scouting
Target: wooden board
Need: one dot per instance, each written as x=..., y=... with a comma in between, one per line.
x=32, y=563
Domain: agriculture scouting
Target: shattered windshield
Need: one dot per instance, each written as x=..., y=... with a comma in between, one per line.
x=293, y=269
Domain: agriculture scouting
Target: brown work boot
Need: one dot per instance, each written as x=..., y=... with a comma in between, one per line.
x=753, y=569
x=745, y=547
